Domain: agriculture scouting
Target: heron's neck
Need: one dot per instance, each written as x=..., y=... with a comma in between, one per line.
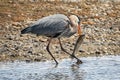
x=73, y=28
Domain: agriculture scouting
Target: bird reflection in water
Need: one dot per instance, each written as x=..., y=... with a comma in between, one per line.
x=68, y=73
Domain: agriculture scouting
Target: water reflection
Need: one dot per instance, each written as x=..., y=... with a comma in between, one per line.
x=61, y=72
x=77, y=73
x=102, y=68
x=73, y=73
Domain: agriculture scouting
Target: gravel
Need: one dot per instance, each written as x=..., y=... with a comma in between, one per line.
x=100, y=23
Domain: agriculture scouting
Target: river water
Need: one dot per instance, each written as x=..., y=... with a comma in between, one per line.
x=93, y=68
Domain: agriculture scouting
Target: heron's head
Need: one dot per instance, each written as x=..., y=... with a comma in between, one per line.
x=75, y=20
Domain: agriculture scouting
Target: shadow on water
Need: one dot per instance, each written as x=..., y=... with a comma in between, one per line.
x=100, y=68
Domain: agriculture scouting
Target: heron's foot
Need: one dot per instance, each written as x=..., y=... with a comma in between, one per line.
x=56, y=65
x=79, y=61
x=56, y=62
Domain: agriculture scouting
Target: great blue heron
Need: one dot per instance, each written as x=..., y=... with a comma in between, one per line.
x=56, y=26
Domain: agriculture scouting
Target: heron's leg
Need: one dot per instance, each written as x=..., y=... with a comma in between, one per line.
x=78, y=60
x=50, y=52
x=62, y=47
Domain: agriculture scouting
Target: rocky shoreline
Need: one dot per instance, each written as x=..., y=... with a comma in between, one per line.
x=100, y=24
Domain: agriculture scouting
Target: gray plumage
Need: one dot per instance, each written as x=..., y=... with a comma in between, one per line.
x=51, y=26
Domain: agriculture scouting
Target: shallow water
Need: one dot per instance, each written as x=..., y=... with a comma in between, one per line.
x=93, y=68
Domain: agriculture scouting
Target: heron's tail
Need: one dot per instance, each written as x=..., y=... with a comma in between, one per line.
x=26, y=30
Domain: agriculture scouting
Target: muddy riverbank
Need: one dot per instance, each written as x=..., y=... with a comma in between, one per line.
x=100, y=23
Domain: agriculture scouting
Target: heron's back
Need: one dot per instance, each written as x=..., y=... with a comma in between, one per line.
x=49, y=26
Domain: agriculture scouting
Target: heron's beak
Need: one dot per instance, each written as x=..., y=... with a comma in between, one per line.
x=79, y=30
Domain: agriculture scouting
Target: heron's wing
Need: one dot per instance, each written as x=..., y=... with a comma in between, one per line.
x=51, y=25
